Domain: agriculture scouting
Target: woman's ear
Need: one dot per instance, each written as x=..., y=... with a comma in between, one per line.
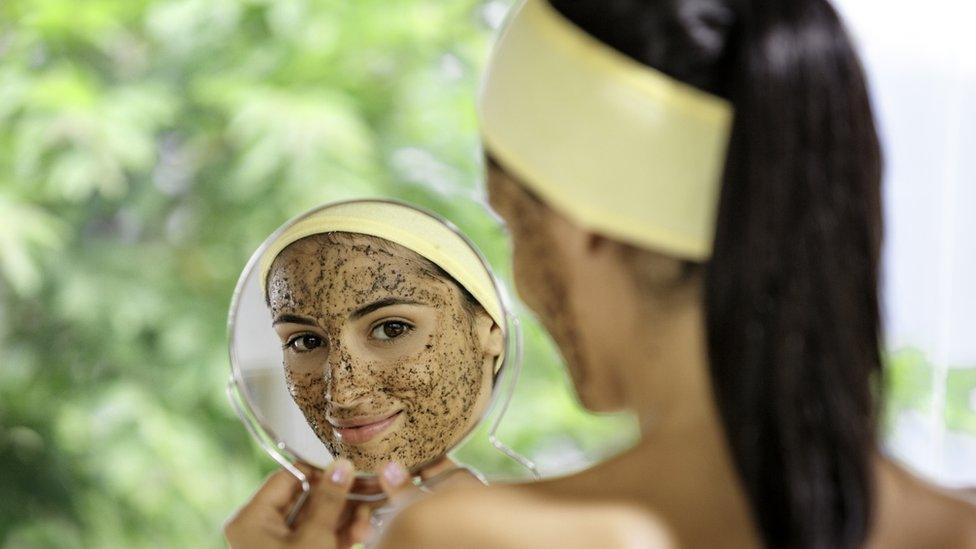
x=496, y=341
x=489, y=334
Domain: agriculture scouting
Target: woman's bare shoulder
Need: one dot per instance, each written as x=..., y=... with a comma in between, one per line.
x=915, y=513
x=513, y=516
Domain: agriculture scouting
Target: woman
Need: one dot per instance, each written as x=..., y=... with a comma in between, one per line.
x=391, y=336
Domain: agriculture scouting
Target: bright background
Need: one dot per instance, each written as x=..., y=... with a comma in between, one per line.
x=921, y=66
x=148, y=146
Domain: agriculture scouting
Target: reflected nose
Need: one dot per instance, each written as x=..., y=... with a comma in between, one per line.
x=344, y=387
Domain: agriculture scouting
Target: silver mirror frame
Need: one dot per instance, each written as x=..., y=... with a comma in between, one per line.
x=503, y=389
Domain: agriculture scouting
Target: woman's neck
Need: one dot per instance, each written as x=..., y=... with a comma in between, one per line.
x=665, y=372
x=681, y=468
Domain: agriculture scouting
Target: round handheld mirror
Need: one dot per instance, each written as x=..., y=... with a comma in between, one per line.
x=370, y=330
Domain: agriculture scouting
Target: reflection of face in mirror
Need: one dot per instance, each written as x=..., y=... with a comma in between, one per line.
x=385, y=354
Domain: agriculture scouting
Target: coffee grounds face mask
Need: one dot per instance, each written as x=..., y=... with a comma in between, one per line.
x=387, y=357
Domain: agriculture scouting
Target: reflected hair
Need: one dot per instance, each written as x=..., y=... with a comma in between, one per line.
x=790, y=291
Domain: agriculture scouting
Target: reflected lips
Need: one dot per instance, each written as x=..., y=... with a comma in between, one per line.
x=360, y=430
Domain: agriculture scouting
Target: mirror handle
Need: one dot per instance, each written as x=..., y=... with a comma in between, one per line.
x=513, y=377
x=235, y=400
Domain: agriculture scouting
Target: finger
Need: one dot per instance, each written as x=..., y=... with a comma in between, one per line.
x=309, y=471
x=277, y=491
x=395, y=481
x=360, y=529
x=251, y=522
x=312, y=473
x=327, y=500
x=356, y=528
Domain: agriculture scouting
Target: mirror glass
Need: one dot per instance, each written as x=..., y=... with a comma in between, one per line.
x=370, y=330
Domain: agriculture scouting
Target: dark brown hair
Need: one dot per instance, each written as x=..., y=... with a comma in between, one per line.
x=791, y=300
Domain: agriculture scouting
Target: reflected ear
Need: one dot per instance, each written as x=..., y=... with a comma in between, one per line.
x=496, y=341
x=490, y=334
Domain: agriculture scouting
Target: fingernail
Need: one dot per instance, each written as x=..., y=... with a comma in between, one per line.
x=394, y=473
x=339, y=475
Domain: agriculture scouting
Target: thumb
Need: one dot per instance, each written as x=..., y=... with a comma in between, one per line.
x=395, y=481
x=327, y=502
x=277, y=491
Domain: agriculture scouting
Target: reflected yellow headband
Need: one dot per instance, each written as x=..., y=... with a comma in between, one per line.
x=407, y=227
x=615, y=145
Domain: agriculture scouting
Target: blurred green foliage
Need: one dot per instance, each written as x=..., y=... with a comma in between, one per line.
x=910, y=379
x=146, y=148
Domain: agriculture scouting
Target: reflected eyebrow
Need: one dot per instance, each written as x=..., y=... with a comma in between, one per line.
x=387, y=302
x=294, y=319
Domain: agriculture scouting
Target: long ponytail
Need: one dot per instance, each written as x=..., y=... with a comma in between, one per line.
x=791, y=289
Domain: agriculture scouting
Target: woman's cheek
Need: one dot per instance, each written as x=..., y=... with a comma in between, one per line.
x=412, y=375
x=458, y=378
x=409, y=378
x=303, y=386
x=307, y=391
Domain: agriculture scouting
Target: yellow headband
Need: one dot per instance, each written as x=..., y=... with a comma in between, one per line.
x=403, y=225
x=615, y=145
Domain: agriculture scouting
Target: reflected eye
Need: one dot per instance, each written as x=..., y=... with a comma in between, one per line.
x=304, y=343
x=390, y=329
